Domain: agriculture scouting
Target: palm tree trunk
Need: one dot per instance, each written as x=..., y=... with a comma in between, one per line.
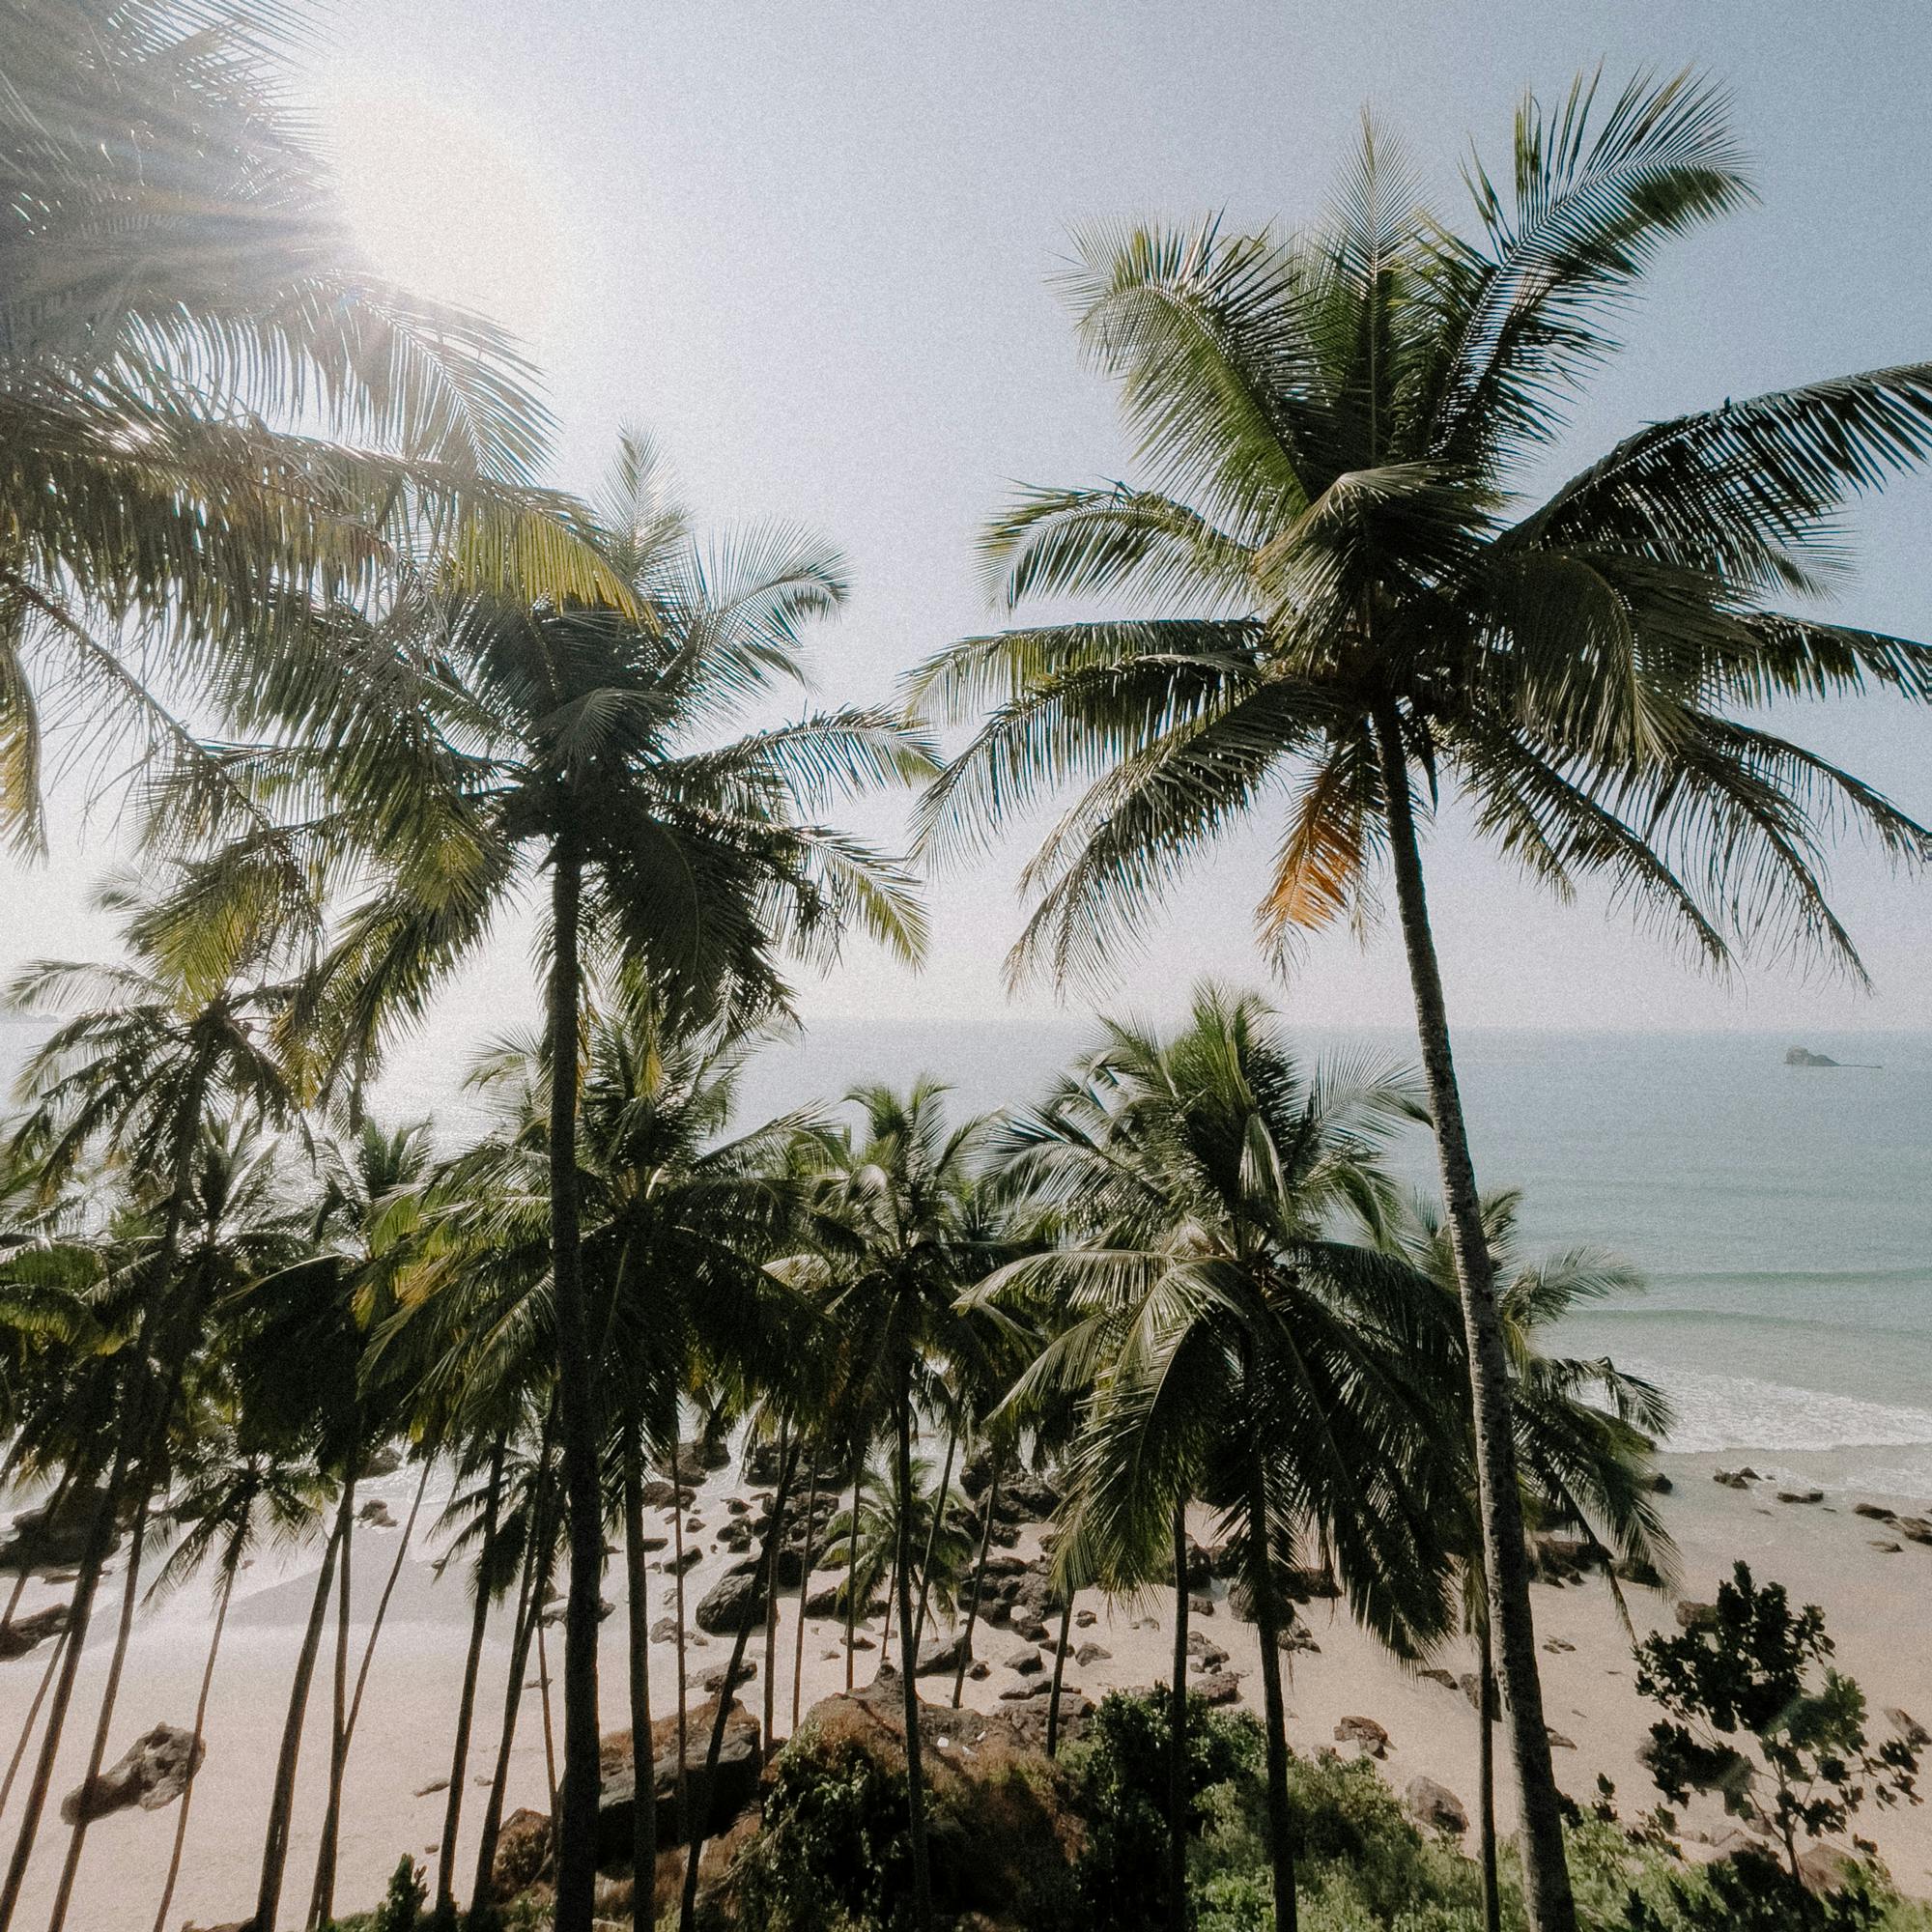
x=1059, y=1673
x=775, y=1531
x=472, y=1664
x=382, y=1606
x=577, y=1415
x=1492, y=1909
x=851, y=1570
x=530, y=1603
x=643, y=1760
x=1546, y=1895
x=921, y=1875
x=227, y=1574
x=549, y=1730
x=728, y=1693
x=804, y=1588
x=979, y=1583
x=54, y=1657
x=932, y=1535
x=281, y=1802
x=111, y=1691
x=1177, y=1731
x=681, y=1783
x=1268, y=1627
x=322, y=1893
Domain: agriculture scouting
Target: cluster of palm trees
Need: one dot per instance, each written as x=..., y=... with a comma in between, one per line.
x=270, y=540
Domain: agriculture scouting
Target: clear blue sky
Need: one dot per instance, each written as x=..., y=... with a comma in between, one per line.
x=810, y=245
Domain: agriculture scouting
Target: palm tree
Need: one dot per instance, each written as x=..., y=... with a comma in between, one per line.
x=895, y=1239
x=1333, y=582
x=166, y=1047
x=182, y=322
x=1229, y=1343
x=473, y=741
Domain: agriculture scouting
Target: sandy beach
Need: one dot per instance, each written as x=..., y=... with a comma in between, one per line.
x=1823, y=1553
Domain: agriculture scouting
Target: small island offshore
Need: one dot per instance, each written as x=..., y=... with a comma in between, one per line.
x=1186, y=1468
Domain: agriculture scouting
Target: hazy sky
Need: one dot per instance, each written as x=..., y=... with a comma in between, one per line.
x=811, y=245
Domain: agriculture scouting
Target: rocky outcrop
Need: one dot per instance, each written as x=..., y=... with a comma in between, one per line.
x=1803, y=1056
x=735, y=1788
x=1434, y=1806
x=155, y=1772
x=1367, y=1736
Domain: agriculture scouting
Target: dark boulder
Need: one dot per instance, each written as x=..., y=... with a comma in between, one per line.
x=732, y=1604
x=153, y=1771
x=19, y=1636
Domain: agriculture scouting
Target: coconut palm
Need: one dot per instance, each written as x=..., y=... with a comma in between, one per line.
x=1232, y=1346
x=472, y=745
x=182, y=322
x=1334, y=580
x=896, y=1237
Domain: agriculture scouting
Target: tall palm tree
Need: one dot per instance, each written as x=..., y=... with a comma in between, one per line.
x=1229, y=1343
x=471, y=745
x=183, y=323
x=1333, y=580
x=895, y=1239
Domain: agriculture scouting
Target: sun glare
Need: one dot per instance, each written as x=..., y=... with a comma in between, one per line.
x=448, y=206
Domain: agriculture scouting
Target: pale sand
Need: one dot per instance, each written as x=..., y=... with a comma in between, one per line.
x=1875, y=1604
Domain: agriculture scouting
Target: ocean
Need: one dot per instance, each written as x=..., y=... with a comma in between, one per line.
x=1783, y=1216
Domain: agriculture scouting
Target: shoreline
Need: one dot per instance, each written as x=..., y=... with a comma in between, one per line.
x=1823, y=1553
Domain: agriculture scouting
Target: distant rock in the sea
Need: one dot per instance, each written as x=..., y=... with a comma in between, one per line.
x=1803, y=1056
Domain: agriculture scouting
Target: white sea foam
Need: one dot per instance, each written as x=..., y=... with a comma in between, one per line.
x=1742, y=1412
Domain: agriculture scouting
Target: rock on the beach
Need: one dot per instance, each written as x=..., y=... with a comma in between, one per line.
x=52, y=1536
x=1695, y=1617
x=1086, y=1619
x=1026, y=1661
x=19, y=1636
x=1445, y=1677
x=1557, y=1646
x=1557, y=1741
x=1876, y=1512
x=375, y=1514
x=155, y=1771
x=1219, y=1686
x=1365, y=1734
x=732, y=1604
x=1092, y=1652
x=1735, y=1479
x=740, y=1760
x=942, y=1654
x=1800, y=1495
x=1436, y=1806
x=1913, y=1529
x=523, y=1851
x=713, y=1681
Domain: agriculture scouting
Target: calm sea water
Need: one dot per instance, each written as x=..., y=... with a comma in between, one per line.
x=1782, y=1217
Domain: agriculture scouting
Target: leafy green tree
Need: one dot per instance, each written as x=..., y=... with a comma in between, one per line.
x=1334, y=581
x=1756, y=1710
x=1232, y=1345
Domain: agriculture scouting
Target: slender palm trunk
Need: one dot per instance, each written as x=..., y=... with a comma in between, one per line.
x=775, y=1531
x=549, y=1730
x=383, y=1605
x=1492, y=1909
x=281, y=1802
x=1268, y=1627
x=131, y=1590
x=932, y=1536
x=577, y=1415
x=921, y=1875
x=681, y=1780
x=1059, y=1646
x=1176, y=1729
x=851, y=1569
x=530, y=1605
x=54, y=1659
x=978, y=1584
x=322, y=1893
x=728, y=1693
x=643, y=1760
x=472, y=1664
x=804, y=1587
x=227, y=1574
x=1546, y=1895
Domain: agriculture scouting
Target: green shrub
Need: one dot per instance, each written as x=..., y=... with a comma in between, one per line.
x=835, y=1854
